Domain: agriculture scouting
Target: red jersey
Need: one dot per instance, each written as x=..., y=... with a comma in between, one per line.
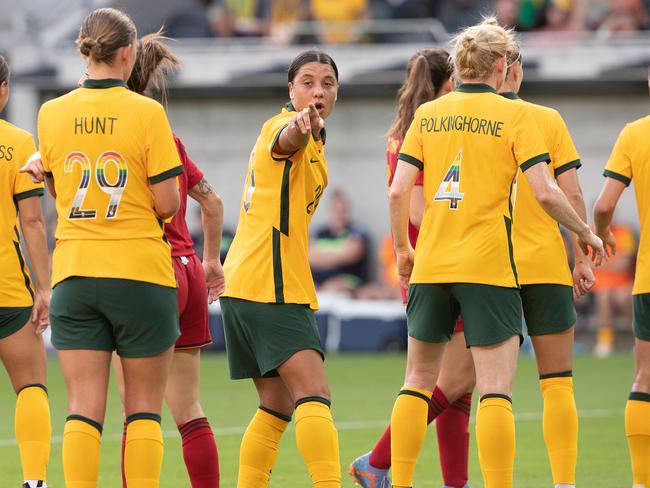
x=392, y=151
x=176, y=231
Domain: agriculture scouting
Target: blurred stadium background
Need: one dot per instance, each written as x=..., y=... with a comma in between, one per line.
x=586, y=58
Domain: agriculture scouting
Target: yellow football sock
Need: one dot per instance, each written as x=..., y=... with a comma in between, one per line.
x=318, y=441
x=605, y=336
x=259, y=448
x=560, y=425
x=81, y=438
x=495, y=436
x=408, y=425
x=33, y=431
x=637, y=429
x=144, y=450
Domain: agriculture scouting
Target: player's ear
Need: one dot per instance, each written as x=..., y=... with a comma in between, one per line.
x=291, y=90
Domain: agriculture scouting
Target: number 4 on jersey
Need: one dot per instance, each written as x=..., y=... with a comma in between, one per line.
x=449, y=188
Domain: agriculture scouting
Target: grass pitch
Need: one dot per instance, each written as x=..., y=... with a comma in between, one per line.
x=364, y=389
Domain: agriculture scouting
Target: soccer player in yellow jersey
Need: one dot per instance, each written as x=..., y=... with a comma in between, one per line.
x=547, y=286
x=23, y=306
x=470, y=144
x=269, y=302
x=428, y=77
x=111, y=163
x=630, y=159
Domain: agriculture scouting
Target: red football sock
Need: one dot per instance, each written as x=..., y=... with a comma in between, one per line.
x=380, y=455
x=123, y=450
x=453, y=441
x=200, y=453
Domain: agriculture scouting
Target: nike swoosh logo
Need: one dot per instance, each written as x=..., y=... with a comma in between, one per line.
x=312, y=160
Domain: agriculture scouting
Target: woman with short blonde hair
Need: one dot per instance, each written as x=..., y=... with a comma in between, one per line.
x=470, y=145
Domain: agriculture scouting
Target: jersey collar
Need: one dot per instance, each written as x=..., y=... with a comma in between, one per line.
x=510, y=95
x=106, y=83
x=475, y=88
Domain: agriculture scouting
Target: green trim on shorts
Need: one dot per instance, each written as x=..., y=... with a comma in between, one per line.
x=260, y=337
x=135, y=318
x=548, y=308
x=641, y=316
x=491, y=314
x=12, y=319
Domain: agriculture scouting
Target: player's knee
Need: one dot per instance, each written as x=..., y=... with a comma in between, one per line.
x=498, y=384
x=316, y=390
x=642, y=379
x=424, y=380
x=183, y=412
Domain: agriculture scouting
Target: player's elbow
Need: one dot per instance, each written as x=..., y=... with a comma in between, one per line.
x=544, y=195
x=573, y=193
x=167, y=206
x=396, y=195
x=35, y=220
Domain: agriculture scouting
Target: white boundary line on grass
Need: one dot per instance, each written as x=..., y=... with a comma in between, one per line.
x=354, y=425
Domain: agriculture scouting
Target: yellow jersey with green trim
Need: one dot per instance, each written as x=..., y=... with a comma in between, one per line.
x=540, y=253
x=16, y=146
x=268, y=259
x=630, y=160
x=104, y=146
x=470, y=144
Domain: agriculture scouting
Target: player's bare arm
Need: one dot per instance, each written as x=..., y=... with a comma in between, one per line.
x=212, y=224
x=604, y=212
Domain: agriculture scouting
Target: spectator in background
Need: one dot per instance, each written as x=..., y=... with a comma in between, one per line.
x=338, y=17
x=403, y=9
x=338, y=252
x=507, y=13
x=624, y=16
x=240, y=18
x=613, y=289
x=285, y=16
x=457, y=14
x=189, y=22
x=386, y=287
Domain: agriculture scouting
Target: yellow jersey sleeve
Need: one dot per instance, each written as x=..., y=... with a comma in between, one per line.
x=619, y=166
x=24, y=187
x=162, y=157
x=528, y=146
x=411, y=151
x=565, y=155
x=274, y=129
